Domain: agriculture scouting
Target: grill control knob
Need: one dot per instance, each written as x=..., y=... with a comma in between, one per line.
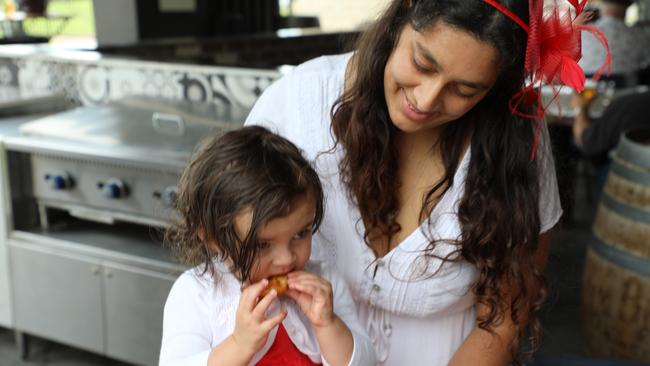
x=114, y=189
x=168, y=196
x=60, y=181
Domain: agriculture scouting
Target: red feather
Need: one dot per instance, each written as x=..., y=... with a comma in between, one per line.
x=558, y=44
x=552, y=53
x=578, y=5
x=571, y=75
x=600, y=36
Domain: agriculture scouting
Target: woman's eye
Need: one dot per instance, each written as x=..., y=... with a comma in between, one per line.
x=262, y=246
x=419, y=66
x=461, y=94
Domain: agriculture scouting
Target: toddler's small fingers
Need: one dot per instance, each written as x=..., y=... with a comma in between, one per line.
x=273, y=321
x=252, y=292
x=264, y=303
x=308, y=289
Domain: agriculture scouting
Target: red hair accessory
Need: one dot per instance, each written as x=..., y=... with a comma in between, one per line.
x=552, y=53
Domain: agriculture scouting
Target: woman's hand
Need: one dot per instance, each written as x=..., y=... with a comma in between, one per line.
x=314, y=296
x=251, y=328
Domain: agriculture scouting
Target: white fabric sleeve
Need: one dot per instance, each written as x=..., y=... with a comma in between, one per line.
x=186, y=339
x=363, y=352
x=550, y=208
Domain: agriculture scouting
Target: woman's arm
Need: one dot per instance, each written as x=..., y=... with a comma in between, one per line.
x=484, y=348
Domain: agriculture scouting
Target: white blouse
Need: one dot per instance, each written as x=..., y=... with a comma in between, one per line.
x=200, y=314
x=416, y=311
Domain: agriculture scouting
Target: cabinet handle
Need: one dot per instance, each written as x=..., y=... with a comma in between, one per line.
x=95, y=270
x=109, y=274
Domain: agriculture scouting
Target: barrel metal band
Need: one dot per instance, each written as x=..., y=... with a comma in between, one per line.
x=634, y=175
x=632, y=151
x=628, y=211
x=620, y=257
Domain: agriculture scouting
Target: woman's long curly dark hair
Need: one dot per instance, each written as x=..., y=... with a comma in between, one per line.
x=499, y=213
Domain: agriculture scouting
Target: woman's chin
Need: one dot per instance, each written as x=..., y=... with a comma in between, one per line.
x=408, y=126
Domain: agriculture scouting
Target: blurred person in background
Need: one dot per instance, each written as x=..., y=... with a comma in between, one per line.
x=597, y=137
x=625, y=44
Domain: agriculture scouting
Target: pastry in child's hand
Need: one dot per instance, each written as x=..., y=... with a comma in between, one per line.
x=279, y=283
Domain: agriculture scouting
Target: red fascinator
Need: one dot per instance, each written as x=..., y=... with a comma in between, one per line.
x=552, y=52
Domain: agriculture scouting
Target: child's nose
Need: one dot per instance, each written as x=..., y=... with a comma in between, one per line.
x=285, y=259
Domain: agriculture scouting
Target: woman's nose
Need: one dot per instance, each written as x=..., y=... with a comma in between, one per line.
x=428, y=94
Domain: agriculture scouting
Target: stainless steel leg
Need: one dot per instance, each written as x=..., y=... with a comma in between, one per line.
x=22, y=343
x=42, y=215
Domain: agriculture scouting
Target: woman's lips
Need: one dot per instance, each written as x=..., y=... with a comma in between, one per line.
x=411, y=112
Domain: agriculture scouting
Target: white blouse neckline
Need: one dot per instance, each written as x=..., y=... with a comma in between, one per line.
x=413, y=239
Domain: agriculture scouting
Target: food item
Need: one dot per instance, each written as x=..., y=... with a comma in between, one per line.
x=280, y=283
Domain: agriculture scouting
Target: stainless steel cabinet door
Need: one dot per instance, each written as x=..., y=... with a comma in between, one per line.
x=134, y=306
x=57, y=295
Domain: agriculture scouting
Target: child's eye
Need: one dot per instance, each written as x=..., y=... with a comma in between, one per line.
x=302, y=234
x=262, y=245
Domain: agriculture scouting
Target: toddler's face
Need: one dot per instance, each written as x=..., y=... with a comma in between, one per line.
x=284, y=243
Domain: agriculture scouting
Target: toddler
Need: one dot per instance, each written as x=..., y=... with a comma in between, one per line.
x=249, y=204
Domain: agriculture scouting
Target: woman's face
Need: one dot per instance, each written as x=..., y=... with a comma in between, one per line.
x=436, y=76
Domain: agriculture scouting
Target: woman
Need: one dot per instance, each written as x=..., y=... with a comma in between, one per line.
x=435, y=213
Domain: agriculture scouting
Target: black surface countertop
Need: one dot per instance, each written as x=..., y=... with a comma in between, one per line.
x=290, y=46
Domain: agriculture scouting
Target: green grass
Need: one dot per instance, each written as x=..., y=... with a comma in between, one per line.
x=81, y=21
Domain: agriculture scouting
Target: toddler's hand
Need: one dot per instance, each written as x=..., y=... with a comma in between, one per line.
x=251, y=328
x=314, y=296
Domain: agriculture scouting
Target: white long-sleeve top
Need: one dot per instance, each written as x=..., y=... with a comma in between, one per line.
x=416, y=310
x=200, y=313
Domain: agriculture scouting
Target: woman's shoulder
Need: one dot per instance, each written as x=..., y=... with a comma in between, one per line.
x=298, y=106
x=324, y=65
x=328, y=69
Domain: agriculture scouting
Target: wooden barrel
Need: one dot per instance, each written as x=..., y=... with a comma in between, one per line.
x=616, y=282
